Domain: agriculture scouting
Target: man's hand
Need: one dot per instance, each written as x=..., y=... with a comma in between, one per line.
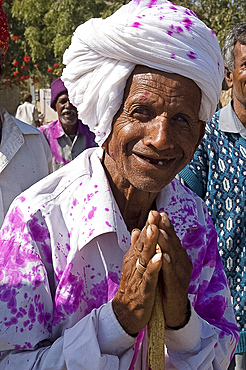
x=134, y=299
x=176, y=272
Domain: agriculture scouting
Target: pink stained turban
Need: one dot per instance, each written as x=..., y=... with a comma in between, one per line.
x=154, y=33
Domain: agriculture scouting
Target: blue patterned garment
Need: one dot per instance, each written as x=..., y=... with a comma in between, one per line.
x=217, y=174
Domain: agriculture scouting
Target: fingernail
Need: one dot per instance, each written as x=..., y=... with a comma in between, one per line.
x=133, y=231
x=165, y=220
x=157, y=249
x=150, y=217
x=167, y=257
x=149, y=231
x=157, y=257
x=164, y=233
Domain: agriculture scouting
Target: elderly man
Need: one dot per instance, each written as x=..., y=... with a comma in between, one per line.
x=88, y=251
x=25, y=156
x=67, y=137
x=217, y=174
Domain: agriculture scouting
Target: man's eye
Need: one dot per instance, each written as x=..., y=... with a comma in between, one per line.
x=142, y=113
x=180, y=119
x=140, y=110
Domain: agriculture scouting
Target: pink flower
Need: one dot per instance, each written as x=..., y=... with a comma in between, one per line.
x=49, y=70
x=56, y=65
x=15, y=73
x=15, y=63
x=15, y=38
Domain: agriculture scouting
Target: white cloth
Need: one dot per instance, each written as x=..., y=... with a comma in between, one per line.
x=158, y=34
x=25, y=158
x=28, y=113
x=65, y=245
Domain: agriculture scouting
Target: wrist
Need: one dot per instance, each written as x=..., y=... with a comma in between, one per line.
x=123, y=320
x=188, y=314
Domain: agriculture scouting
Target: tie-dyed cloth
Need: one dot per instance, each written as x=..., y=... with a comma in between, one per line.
x=62, y=245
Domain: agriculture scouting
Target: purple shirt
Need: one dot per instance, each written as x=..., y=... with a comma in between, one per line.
x=61, y=252
x=63, y=149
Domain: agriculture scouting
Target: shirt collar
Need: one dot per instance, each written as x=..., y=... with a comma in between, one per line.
x=59, y=132
x=229, y=121
x=12, y=139
x=11, y=122
x=83, y=187
x=102, y=214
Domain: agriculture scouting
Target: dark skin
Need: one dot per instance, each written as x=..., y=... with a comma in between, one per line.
x=67, y=114
x=154, y=135
x=237, y=81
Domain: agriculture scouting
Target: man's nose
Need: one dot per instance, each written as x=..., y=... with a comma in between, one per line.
x=67, y=104
x=159, y=134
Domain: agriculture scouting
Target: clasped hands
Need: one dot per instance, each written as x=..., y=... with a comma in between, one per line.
x=134, y=299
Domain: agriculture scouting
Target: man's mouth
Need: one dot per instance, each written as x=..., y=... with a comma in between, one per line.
x=156, y=162
x=67, y=113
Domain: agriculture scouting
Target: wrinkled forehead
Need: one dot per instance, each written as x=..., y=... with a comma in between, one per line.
x=145, y=80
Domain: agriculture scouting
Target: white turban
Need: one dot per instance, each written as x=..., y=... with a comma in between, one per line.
x=154, y=33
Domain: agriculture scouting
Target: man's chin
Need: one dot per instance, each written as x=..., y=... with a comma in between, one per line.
x=68, y=121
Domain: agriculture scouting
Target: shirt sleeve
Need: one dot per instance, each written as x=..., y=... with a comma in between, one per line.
x=30, y=337
x=47, y=150
x=35, y=114
x=209, y=340
x=17, y=115
x=95, y=342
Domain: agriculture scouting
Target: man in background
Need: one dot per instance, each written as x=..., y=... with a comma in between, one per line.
x=25, y=156
x=217, y=174
x=27, y=112
x=67, y=137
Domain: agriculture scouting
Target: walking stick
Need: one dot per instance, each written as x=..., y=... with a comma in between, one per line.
x=156, y=331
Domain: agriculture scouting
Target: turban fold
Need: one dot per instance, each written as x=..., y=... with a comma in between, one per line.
x=154, y=33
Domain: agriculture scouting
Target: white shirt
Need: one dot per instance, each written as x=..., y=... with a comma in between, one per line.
x=25, y=158
x=27, y=112
x=62, y=246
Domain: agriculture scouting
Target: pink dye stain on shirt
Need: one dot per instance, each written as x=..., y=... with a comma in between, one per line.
x=91, y=214
x=75, y=202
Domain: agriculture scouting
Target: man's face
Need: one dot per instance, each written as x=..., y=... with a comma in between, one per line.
x=67, y=113
x=238, y=76
x=156, y=131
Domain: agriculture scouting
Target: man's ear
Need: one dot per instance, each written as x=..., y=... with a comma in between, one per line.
x=228, y=77
x=202, y=132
